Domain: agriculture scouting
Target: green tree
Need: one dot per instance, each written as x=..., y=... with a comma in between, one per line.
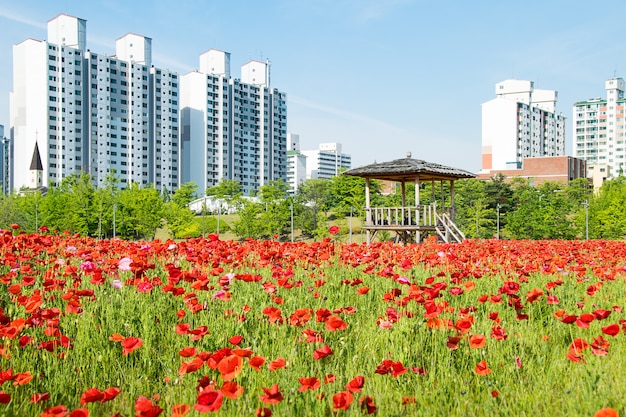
x=250, y=224
x=185, y=194
x=607, y=218
x=69, y=206
x=312, y=198
x=227, y=190
x=348, y=193
x=140, y=211
x=277, y=214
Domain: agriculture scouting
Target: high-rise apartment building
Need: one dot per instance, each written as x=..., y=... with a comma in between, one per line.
x=599, y=127
x=296, y=163
x=232, y=129
x=521, y=122
x=93, y=113
x=327, y=161
x=5, y=162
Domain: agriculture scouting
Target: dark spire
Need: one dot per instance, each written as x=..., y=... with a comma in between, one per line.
x=35, y=164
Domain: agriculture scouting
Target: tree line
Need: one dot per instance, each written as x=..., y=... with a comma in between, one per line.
x=483, y=208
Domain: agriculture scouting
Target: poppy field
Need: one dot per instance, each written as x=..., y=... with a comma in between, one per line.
x=486, y=327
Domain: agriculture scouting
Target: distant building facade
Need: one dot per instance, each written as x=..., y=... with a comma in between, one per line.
x=5, y=162
x=543, y=169
x=296, y=163
x=92, y=113
x=521, y=122
x=599, y=131
x=326, y=162
x=98, y=114
x=232, y=128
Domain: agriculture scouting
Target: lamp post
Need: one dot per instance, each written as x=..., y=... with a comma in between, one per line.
x=586, y=204
x=351, y=210
x=114, y=210
x=291, y=211
x=219, y=211
x=498, y=221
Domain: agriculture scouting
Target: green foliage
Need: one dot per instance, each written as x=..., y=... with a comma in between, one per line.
x=514, y=207
x=185, y=194
x=140, y=212
x=228, y=190
x=348, y=193
x=249, y=224
x=607, y=214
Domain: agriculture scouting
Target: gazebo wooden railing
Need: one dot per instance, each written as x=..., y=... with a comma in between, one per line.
x=411, y=224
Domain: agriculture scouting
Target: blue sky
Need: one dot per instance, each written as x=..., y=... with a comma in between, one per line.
x=381, y=77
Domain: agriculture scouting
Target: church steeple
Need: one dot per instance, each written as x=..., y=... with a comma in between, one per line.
x=36, y=169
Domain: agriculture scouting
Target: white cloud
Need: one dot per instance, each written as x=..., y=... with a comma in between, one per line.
x=344, y=114
x=21, y=19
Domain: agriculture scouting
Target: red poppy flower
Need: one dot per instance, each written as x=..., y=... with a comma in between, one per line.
x=263, y=412
x=453, y=342
x=312, y=384
x=322, y=352
x=606, y=412
x=272, y=395
x=209, y=400
x=191, y=366
x=188, y=352
x=130, y=344
x=363, y=290
x=482, y=368
x=146, y=408
x=334, y=230
x=91, y=395
x=79, y=412
x=56, y=411
x=256, y=362
x=22, y=378
x=277, y=364
x=611, y=330
x=180, y=410
x=235, y=340
x=230, y=366
x=335, y=323
x=533, y=295
x=355, y=384
x=584, y=320
x=477, y=341
x=342, y=400
x=38, y=398
x=367, y=405
x=5, y=398
x=110, y=394
x=300, y=317
x=231, y=390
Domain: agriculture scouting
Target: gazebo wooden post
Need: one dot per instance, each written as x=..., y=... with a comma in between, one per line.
x=443, y=197
x=402, y=185
x=368, y=213
x=418, y=237
x=452, y=207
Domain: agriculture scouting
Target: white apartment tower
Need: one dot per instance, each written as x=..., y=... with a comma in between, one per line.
x=521, y=122
x=326, y=162
x=599, y=128
x=93, y=113
x=232, y=128
x=296, y=163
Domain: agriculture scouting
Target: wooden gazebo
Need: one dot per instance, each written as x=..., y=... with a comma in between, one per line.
x=412, y=222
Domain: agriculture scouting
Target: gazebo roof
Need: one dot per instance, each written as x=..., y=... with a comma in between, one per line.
x=408, y=169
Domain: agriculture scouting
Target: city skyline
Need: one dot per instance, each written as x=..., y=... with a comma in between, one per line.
x=382, y=79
